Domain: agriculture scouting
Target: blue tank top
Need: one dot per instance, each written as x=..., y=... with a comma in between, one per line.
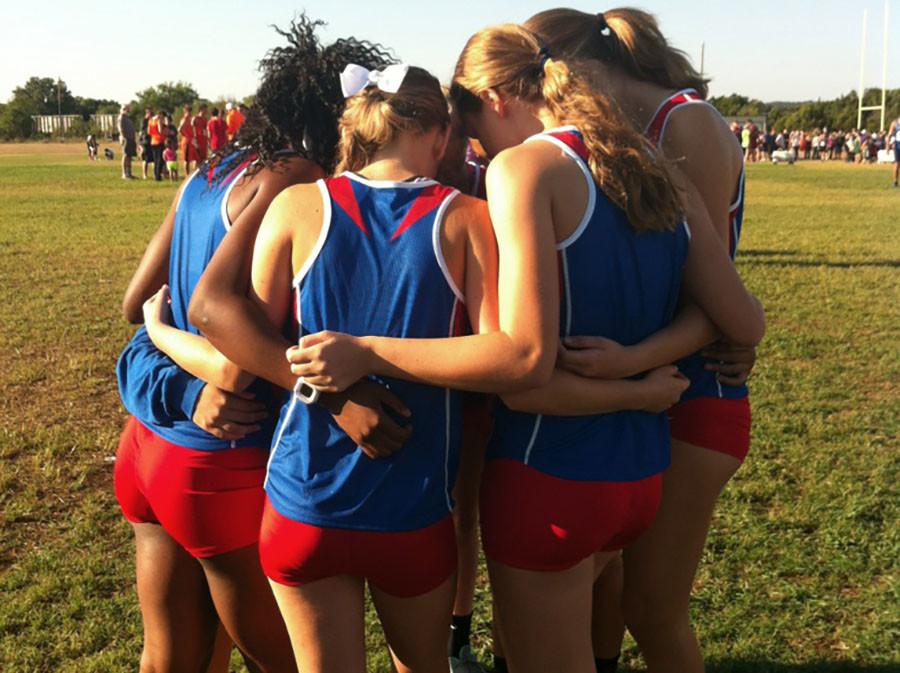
x=377, y=269
x=615, y=283
x=201, y=222
x=703, y=383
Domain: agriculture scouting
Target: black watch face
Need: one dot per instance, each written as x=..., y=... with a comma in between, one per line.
x=305, y=390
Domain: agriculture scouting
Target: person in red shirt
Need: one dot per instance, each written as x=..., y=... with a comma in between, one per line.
x=201, y=137
x=216, y=127
x=188, y=143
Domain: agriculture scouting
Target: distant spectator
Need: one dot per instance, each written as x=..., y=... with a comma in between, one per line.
x=754, y=141
x=156, y=128
x=781, y=140
x=92, y=147
x=171, y=131
x=234, y=119
x=146, y=148
x=768, y=144
x=893, y=138
x=851, y=149
x=745, y=141
x=170, y=155
x=188, y=140
x=201, y=135
x=128, y=142
x=218, y=137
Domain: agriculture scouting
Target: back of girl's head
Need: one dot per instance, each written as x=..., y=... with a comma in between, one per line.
x=374, y=118
x=514, y=62
x=299, y=99
x=624, y=38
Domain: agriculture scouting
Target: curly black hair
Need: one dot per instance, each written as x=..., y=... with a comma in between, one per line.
x=299, y=100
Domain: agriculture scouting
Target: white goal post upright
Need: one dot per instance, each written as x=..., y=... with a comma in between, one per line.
x=862, y=68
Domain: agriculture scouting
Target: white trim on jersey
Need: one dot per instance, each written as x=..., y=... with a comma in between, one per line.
x=567, y=285
x=418, y=183
x=665, y=125
x=588, y=176
x=740, y=193
x=447, y=406
x=277, y=443
x=534, y=434
x=436, y=244
x=225, y=219
x=320, y=242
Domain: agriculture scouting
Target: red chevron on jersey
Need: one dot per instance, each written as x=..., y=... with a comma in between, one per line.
x=667, y=107
x=429, y=199
x=573, y=141
x=341, y=190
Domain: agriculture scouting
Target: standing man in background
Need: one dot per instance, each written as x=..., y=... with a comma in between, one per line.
x=128, y=141
x=218, y=138
x=201, y=138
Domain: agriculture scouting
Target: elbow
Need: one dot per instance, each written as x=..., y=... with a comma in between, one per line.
x=200, y=313
x=536, y=363
x=132, y=311
x=750, y=334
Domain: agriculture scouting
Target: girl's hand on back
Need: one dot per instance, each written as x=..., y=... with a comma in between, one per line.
x=596, y=357
x=330, y=361
x=157, y=310
x=364, y=412
x=663, y=388
x=732, y=363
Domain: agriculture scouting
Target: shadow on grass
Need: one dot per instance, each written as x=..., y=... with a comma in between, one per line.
x=763, y=666
x=823, y=666
x=785, y=258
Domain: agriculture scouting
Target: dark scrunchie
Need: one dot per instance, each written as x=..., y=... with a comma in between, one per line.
x=602, y=26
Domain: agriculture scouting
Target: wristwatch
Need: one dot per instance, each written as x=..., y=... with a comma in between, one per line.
x=306, y=393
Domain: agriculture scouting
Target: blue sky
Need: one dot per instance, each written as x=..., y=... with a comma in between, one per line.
x=768, y=49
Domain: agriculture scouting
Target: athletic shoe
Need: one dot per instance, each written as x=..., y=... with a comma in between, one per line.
x=465, y=662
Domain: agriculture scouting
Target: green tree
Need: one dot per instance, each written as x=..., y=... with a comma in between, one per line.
x=15, y=119
x=46, y=96
x=168, y=96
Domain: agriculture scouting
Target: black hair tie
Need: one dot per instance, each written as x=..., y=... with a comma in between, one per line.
x=544, y=55
x=602, y=26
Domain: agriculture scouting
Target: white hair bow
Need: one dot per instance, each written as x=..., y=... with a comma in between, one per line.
x=355, y=78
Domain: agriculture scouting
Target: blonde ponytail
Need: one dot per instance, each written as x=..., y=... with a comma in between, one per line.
x=374, y=118
x=511, y=61
x=624, y=38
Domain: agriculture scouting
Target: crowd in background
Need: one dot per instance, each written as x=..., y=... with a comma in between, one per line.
x=167, y=145
x=852, y=146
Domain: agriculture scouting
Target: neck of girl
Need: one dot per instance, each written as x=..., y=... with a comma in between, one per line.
x=404, y=158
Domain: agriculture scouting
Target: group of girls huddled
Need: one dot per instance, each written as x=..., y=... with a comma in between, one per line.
x=350, y=359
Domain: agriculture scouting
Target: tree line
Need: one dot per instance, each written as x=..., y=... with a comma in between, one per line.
x=837, y=114
x=48, y=96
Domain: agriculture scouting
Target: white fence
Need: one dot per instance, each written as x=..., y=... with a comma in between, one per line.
x=54, y=125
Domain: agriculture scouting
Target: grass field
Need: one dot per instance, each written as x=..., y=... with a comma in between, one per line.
x=800, y=573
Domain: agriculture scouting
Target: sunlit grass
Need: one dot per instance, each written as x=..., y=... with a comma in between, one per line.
x=800, y=573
